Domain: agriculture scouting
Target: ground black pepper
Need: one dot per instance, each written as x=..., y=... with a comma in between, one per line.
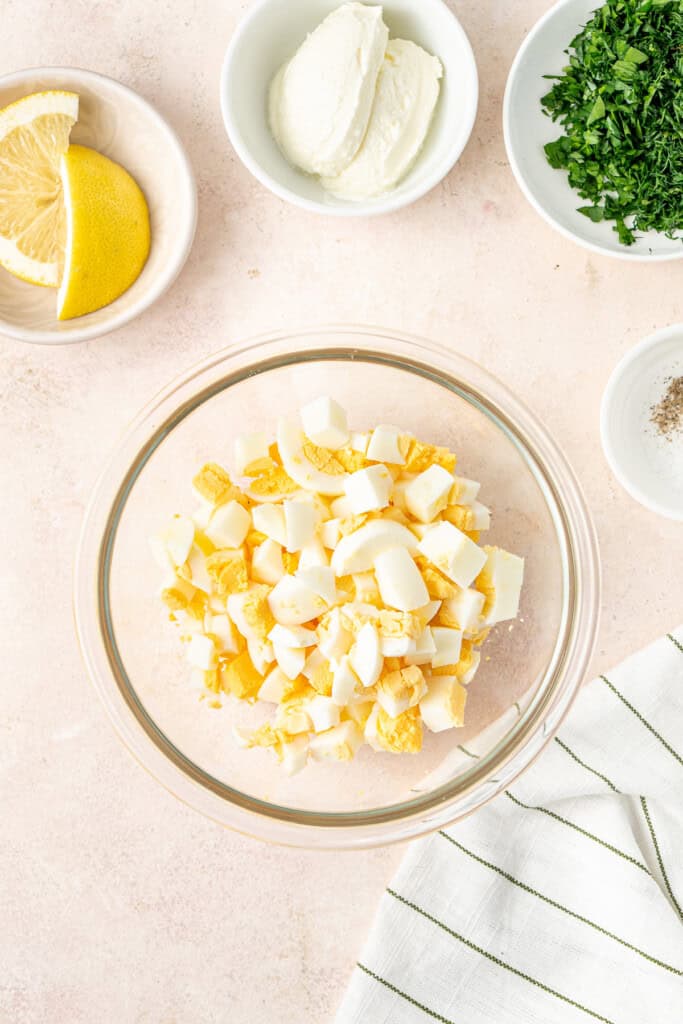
x=667, y=415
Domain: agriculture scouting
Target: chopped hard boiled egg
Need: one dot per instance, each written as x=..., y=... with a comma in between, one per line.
x=385, y=446
x=324, y=422
x=343, y=584
x=453, y=553
x=250, y=449
x=368, y=489
x=400, y=583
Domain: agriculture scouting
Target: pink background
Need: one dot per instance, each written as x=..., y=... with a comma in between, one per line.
x=118, y=903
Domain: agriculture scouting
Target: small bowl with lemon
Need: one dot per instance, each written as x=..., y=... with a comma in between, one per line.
x=98, y=205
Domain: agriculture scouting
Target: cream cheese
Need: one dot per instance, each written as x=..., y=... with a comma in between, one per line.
x=407, y=93
x=320, y=102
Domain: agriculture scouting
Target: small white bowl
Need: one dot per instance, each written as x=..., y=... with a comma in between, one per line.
x=116, y=121
x=271, y=33
x=527, y=129
x=647, y=465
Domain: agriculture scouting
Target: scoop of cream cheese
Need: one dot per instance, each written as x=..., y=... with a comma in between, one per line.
x=407, y=91
x=320, y=102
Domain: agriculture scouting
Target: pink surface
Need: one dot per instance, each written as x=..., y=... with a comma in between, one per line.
x=119, y=904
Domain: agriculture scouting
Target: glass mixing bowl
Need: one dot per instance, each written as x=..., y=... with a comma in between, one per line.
x=530, y=671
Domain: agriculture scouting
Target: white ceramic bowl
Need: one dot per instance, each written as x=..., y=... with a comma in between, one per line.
x=116, y=121
x=527, y=129
x=647, y=465
x=271, y=33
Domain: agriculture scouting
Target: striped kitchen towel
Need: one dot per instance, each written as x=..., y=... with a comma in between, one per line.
x=561, y=901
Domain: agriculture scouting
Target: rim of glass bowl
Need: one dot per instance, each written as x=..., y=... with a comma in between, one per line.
x=489, y=775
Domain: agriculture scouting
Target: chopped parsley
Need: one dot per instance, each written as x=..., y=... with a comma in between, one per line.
x=620, y=104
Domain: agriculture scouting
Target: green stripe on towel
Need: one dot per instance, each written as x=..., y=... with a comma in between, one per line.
x=496, y=960
x=667, y=883
x=577, y=828
x=643, y=720
x=559, y=906
x=403, y=995
x=675, y=642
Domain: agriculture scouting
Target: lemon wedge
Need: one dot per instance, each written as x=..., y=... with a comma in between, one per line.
x=34, y=135
x=107, y=232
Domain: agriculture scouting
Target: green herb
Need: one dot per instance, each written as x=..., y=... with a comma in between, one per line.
x=620, y=103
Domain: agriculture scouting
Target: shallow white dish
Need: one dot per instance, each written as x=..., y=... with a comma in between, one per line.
x=647, y=465
x=527, y=129
x=271, y=33
x=116, y=121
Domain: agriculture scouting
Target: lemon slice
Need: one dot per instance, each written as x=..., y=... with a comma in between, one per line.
x=34, y=135
x=107, y=232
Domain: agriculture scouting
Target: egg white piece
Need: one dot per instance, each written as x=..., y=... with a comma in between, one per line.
x=330, y=533
x=438, y=707
x=295, y=755
x=429, y=610
x=366, y=586
x=178, y=538
x=399, y=580
x=448, y=643
x=425, y=649
x=313, y=554
x=292, y=602
x=468, y=676
x=196, y=680
x=249, y=448
x=261, y=653
x=290, y=443
x=270, y=520
x=453, y=553
x=300, y=524
x=314, y=662
x=340, y=743
x=235, y=605
x=366, y=655
x=466, y=609
x=334, y=640
x=323, y=712
x=359, y=442
x=293, y=720
x=368, y=490
x=370, y=731
x=341, y=507
x=222, y=627
x=161, y=555
x=292, y=636
x=357, y=551
x=384, y=446
x=274, y=686
x=201, y=652
x=324, y=422
x=266, y=562
x=397, y=646
x=290, y=659
x=202, y=514
x=481, y=516
x=503, y=572
x=344, y=681
x=229, y=525
x=427, y=494
x=464, y=491
x=195, y=567
x=320, y=579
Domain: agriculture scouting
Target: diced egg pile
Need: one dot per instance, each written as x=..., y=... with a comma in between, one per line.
x=341, y=581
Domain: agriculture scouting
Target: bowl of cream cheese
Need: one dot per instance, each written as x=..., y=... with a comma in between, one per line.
x=349, y=109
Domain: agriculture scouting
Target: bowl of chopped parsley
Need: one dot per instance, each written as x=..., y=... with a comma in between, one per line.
x=593, y=123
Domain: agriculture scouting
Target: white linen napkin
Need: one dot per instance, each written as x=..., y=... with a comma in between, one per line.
x=562, y=900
